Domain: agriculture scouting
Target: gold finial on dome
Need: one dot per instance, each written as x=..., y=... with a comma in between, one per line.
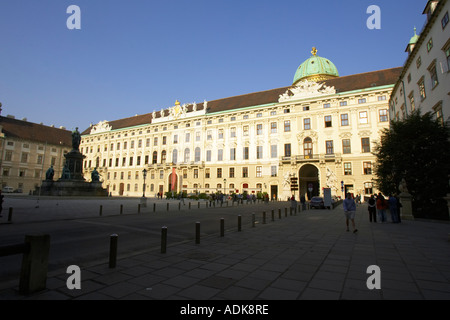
x=177, y=103
x=314, y=51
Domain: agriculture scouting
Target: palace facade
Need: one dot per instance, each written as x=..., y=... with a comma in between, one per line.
x=320, y=130
x=28, y=150
x=425, y=80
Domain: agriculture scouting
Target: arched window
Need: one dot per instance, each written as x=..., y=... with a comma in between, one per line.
x=175, y=156
x=187, y=155
x=219, y=186
x=155, y=157
x=307, y=148
x=197, y=154
x=163, y=156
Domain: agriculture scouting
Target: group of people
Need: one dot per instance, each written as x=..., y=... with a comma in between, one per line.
x=377, y=205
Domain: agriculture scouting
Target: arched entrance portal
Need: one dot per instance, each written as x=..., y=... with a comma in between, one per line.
x=175, y=183
x=309, y=181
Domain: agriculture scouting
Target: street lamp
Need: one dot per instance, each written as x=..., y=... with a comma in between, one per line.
x=225, y=186
x=144, y=172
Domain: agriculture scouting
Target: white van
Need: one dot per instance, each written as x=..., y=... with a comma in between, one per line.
x=7, y=189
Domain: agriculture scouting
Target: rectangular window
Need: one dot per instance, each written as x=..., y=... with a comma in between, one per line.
x=195, y=173
x=381, y=98
x=328, y=123
x=273, y=113
x=161, y=174
x=287, y=126
x=329, y=146
x=273, y=151
x=258, y=172
x=447, y=54
x=175, y=139
x=368, y=188
x=430, y=44
x=245, y=172
x=347, y=168
x=155, y=141
x=343, y=103
x=418, y=62
x=326, y=105
x=246, y=152
x=273, y=171
x=273, y=127
x=220, y=155
x=444, y=21
x=198, y=136
x=363, y=117
x=209, y=135
x=433, y=75
x=220, y=136
x=422, y=92
x=24, y=158
x=207, y=173
x=367, y=168
x=231, y=172
x=259, y=129
x=8, y=157
x=287, y=150
x=233, y=132
x=307, y=124
x=360, y=101
x=383, y=115
x=259, y=152
x=245, y=131
x=365, y=143
x=344, y=119
x=233, y=154
x=208, y=155
x=346, y=146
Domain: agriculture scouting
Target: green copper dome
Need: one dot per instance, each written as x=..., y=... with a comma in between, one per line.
x=316, y=69
x=414, y=38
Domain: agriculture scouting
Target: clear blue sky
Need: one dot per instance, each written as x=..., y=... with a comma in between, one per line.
x=132, y=57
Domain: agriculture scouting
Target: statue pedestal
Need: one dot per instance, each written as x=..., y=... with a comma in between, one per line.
x=73, y=188
x=406, y=209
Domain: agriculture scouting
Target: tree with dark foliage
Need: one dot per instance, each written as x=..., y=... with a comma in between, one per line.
x=416, y=149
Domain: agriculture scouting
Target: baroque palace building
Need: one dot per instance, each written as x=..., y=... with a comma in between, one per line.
x=321, y=130
x=425, y=80
x=27, y=150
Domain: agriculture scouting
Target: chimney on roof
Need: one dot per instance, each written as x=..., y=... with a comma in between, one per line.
x=10, y=116
x=24, y=119
x=62, y=127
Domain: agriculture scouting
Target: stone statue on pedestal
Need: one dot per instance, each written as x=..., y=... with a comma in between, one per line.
x=50, y=173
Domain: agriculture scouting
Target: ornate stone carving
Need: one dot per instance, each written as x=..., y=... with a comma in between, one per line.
x=102, y=126
x=306, y=89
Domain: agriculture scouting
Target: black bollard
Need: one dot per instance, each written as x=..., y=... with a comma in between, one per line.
x=222, y=227
x=279, y=213
x=113, y=250
x=139, y=208
x=121, y=208
x=10, y=214
x=101, y=210
x=163, y=239
x=239, y=223
x=253, y=220
x=197, y=232
x=273, y=215
x=167, y=209
x=154, y=207
x=264, y=217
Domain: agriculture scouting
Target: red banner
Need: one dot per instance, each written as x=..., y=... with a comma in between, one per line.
x=174, y=178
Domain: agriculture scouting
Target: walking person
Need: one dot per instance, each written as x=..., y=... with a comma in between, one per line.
x=350, y=211
x=372, y=209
